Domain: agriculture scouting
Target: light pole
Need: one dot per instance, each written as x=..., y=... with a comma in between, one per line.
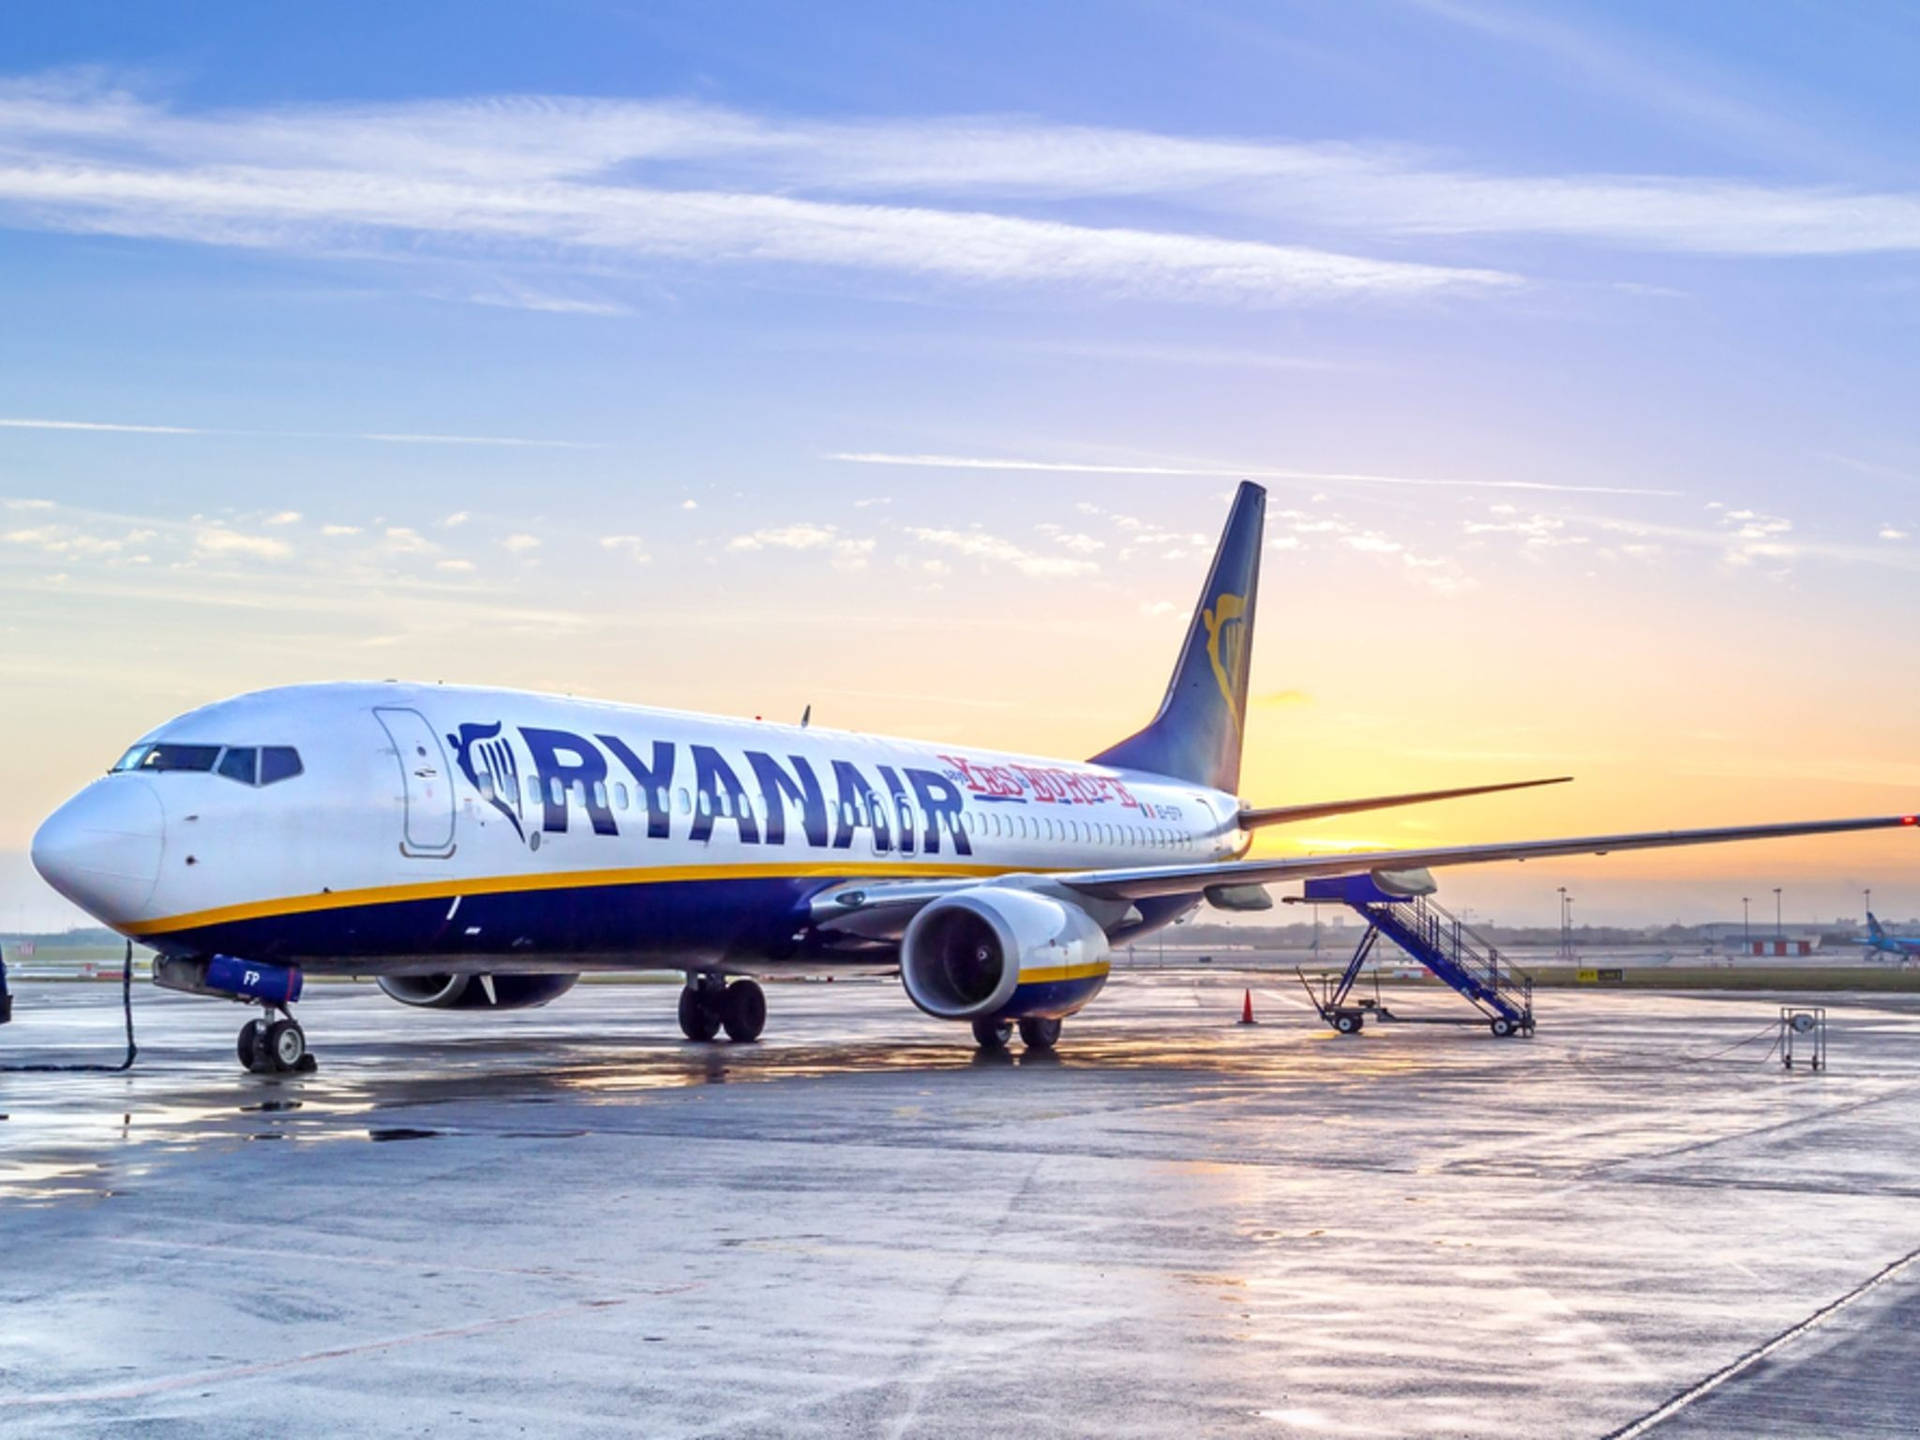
x=1778, y=932
x=1746, y=925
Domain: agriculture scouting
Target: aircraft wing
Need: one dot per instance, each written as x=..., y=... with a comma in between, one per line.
x=879, y=909
x=1254, y=818
x=1145, y=882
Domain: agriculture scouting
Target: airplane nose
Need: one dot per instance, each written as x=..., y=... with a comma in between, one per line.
x=102, y=848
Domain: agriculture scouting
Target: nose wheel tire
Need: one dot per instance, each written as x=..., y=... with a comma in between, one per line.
x=286, y=1045
x=992, y=1034
x=250, y=1046
x=743, y=1010
x=1037, y=1033
x=278, y=1047
x=699, y=1015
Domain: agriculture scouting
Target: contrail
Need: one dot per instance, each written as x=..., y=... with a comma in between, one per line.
x=381, y=437
x=969, y=462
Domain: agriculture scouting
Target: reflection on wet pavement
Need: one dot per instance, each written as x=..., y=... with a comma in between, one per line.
x=859, y=1224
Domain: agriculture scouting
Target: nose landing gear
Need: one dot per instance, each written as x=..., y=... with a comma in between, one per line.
x=274, y=1047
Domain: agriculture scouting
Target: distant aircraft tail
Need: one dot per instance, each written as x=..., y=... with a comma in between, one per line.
x=1196, y=735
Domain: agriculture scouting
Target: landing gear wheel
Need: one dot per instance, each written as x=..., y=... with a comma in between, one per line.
x=1039, y=1034
x=992, y=1034
x=743, y=1010
x=1347, y=1024
x=286, y=1045
x=699, y=1018
x=250, y=1046
x=1501, y=1026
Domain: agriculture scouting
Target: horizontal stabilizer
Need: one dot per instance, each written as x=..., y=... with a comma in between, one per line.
x=1287, y=814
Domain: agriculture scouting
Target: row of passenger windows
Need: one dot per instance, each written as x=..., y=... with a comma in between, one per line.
x=249, y=764
x=858, y=813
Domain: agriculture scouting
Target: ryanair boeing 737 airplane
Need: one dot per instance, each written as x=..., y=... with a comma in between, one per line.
x=479, y=849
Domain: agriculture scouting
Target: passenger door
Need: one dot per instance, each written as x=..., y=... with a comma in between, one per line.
x=427, y=787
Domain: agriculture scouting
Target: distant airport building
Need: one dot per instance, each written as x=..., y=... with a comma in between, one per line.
x=1736, y=939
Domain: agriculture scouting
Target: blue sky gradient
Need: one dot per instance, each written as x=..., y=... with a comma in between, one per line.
x=900, y=360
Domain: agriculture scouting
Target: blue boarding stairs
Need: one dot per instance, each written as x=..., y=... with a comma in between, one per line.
x=1439, y=940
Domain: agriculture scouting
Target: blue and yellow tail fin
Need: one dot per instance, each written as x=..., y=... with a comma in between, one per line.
x=1196, y=735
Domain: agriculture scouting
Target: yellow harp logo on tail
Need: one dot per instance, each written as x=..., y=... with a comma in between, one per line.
x=1226, y=644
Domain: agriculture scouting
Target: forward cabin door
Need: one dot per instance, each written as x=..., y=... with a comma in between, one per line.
x=427, y=787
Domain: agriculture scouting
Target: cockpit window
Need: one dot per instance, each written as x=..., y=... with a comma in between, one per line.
x=249, y=764
x=239, y=762
x=169, y=757
x=279, y=762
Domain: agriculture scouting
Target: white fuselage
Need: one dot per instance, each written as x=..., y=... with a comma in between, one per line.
x=429, y=824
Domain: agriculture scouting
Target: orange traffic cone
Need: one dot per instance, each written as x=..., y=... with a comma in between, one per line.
x=1246, y=1009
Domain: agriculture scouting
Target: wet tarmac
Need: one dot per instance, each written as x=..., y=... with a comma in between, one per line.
x=570, y=1222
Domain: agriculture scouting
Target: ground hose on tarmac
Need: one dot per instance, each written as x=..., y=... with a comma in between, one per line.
x=126, y=1006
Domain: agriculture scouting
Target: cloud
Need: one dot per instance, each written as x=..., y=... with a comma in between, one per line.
x=455, y=567
x=1890, y=532
x=845, y=552
x=114, y=427
x=217, y=540
x=508, y=296
x=689, y=504
x=1282, y=698
x=1242, y=472
x=632, y=545
x=285, y=517
x=405, y=540
x=597, y=179
x=338, y=530
x=785, y=537
x=520, y=544
x=637, y=185
x=456, y=520
x=510, y=441
x=993, y=550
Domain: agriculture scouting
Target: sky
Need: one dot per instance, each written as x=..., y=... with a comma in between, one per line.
x=900, y=361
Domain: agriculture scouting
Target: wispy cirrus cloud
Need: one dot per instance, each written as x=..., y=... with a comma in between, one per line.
x=656, y=182
x=1217, y=472
x=388, y=438
x=636, y=185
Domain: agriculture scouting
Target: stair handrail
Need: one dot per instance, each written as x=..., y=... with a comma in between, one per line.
x=1462, y=945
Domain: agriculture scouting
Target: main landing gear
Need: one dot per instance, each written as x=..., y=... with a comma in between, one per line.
x=270, y=1046
x=1036, y=1033
x=708, y=1005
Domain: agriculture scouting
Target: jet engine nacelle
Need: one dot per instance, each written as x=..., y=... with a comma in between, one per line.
x=476, y=992
x=994, y=953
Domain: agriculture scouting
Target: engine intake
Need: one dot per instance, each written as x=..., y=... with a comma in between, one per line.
x=999, y=953
x=476, y=992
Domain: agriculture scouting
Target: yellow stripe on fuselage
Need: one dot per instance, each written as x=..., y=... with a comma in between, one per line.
x=562, y=880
